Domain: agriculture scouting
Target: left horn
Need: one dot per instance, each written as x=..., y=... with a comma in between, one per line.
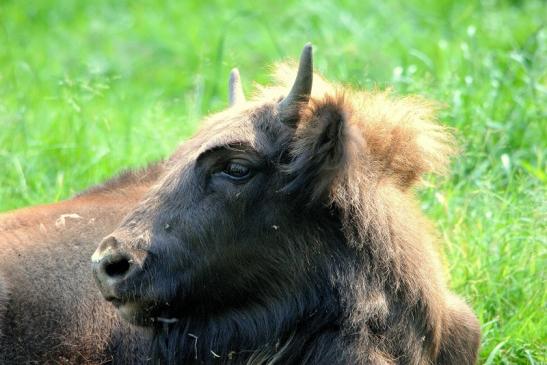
x=235, y=90
x=301, y=89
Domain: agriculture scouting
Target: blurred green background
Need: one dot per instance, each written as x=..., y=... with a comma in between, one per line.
x=88, y=88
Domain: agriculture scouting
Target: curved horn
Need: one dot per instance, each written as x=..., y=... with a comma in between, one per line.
x=235, y=90
x=301, y=89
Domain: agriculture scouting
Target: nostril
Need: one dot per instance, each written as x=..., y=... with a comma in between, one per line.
x=118, y=266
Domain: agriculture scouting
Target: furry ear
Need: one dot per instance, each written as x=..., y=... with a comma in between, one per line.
x=317, y=153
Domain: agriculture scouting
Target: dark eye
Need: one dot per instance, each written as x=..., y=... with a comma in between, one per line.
x=236, y=171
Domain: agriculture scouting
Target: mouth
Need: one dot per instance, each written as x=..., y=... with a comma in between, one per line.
x=135, y=303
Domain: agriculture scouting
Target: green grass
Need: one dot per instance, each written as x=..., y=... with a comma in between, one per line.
x=88, y=88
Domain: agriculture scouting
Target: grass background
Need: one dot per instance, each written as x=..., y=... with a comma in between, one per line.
x=88, y=88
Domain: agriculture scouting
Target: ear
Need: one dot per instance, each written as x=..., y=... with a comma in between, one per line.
x=317, y=153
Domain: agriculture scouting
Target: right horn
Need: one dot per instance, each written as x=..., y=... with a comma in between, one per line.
x=301, y=89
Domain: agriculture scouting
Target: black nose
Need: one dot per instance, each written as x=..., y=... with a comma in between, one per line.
x=111, y=265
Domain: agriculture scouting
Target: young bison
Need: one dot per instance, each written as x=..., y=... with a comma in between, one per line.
x=286, y=232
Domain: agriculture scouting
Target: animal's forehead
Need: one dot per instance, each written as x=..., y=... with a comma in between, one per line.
x=257, y=126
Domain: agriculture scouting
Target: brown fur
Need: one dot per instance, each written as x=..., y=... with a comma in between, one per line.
x=50, y=309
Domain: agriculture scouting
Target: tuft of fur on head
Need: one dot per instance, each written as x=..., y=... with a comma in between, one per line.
x=399, y=136
x=402, y=136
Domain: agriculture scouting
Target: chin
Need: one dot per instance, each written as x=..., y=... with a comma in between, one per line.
x=135, y=314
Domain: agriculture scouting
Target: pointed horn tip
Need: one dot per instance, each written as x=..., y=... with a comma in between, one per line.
x=307, y=53
x=234, y=73
x=235, y=89
x=306, y=57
